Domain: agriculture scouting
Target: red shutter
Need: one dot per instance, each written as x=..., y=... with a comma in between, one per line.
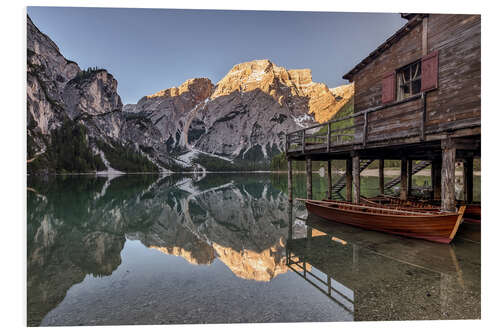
x=389, y=87
x=430, y=71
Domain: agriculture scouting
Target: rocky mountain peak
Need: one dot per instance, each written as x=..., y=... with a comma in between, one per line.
x=92, y=92
x=281, y=84
x=199, y=89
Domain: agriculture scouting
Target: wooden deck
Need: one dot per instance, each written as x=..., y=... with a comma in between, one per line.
x=379, y=133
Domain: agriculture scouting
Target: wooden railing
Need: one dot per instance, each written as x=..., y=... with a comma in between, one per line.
x=353, y=129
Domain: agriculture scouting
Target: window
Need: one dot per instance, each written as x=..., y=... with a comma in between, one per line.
x=419, y=76
x=409, y=80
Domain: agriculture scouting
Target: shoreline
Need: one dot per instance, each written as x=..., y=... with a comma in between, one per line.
x=366, y=172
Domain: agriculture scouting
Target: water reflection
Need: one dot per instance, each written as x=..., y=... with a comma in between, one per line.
x=78, y=226
x=384, y=277
x=244, y=254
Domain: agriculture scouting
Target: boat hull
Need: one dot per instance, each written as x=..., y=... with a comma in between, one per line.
x=473, y=213
x=437, y=228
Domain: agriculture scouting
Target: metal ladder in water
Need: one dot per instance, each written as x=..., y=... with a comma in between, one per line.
x=416, y=168
x=340, y=184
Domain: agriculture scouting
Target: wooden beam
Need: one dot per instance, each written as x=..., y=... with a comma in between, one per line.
x=290, y=183
x=436, y=179
x=329, y=178
x=329, y=136
x=468, y=180
x=365, y=128
x=403, y=193
x=348, y=179
x=356, y=179
x=303, y=141
x=381, y=176
x=409, y=170
x=424, y=36
x=448, y=180
x=286, y=144
x=424, y=116
x=309, y=178
x=290, y=221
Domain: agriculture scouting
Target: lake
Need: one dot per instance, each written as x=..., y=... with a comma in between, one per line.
x=229, y=248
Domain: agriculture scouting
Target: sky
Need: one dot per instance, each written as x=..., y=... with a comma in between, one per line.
x=148, y=50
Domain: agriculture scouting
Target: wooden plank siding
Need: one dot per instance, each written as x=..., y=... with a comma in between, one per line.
x=458, y=41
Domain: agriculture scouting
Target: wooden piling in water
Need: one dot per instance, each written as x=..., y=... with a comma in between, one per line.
x=468, y=180
x=356, y=179
x=448, y=179
x=436, y=179
x=329, y=178
x=348, y=179
x=409, y=170
x=403, y=192
x=309, y=177
x=381, y=176
x=290, y=179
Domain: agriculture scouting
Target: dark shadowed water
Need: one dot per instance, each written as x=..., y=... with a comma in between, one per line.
x=227, y=248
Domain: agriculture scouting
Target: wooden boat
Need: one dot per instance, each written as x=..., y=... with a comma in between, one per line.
x=396, y=203
x=434, y=226
x=408, y=206
x=472, y=211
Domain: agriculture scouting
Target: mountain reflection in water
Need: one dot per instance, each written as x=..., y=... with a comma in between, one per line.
x=143, y=249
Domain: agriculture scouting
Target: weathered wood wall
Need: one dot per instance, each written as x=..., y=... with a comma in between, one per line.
x=458, y=97
x=456, y=101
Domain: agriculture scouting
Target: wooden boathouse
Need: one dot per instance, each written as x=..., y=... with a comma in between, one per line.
x=417, y=98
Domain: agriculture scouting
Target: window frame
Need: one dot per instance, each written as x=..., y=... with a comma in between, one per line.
x=417, y=77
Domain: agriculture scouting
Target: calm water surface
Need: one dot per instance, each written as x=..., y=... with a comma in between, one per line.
x=227, y=249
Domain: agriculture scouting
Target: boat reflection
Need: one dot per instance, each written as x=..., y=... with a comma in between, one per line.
x=385, y=277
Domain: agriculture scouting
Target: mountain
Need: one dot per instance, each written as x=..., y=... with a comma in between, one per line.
x=77, y=123
x=242, y=119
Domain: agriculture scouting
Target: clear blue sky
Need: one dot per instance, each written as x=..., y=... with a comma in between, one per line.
x=148, y=50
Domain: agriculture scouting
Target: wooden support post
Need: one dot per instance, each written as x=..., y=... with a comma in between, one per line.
x=348, y=179
x=410, y=171
x=448, y=179
x=329, y=180
x=424, y=36
x=309, y=177
x=365, y=128
x=468, y=179
x=403, y=193
x=436, y=179
x=286, y=143
x=308, y=242
x=303, y=141
x=290, y=183
x=424, y=116
x=329, y=135
x=381, y=176
x=356, y=180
